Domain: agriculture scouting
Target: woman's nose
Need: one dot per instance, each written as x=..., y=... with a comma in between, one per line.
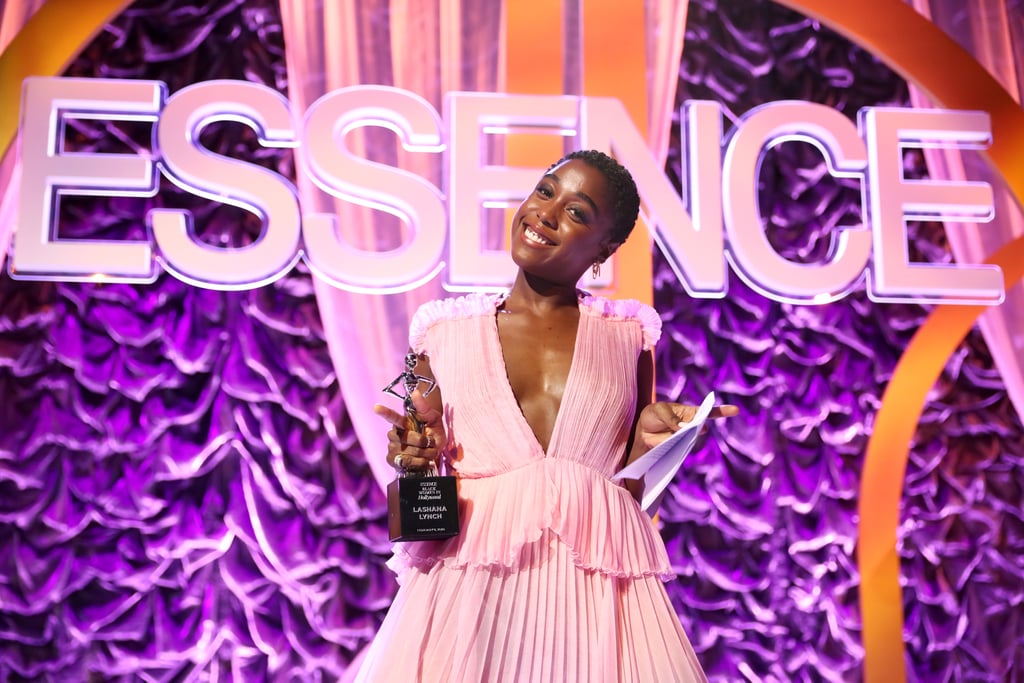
x=544, y=215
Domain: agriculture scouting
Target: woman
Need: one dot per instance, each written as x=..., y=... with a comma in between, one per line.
x=543, y=394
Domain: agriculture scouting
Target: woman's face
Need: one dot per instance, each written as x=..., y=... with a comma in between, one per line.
x=564, y=225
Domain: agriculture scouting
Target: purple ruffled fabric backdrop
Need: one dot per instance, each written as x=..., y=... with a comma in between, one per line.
x=183, y=497
x=179, y=484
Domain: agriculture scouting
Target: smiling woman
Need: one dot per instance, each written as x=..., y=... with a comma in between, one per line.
x=557, y=573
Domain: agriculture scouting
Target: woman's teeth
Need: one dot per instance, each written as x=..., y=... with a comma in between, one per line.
x=536, y=238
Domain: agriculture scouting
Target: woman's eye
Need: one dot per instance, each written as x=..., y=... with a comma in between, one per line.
x=544, y=191
x=577, y=214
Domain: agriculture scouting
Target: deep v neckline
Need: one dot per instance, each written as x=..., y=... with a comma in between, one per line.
x=569, y=378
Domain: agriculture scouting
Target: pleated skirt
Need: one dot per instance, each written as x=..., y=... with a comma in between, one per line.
x=546, y=620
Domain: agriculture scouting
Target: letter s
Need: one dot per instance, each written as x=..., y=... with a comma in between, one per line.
x=228, y=181
x=340, y=173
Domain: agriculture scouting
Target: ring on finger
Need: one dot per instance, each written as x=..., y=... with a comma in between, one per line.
x=430, y=442
x=398, y=462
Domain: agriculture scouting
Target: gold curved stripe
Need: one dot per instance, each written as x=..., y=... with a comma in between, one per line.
x=924, y=55
x=46, y=45
x=885, y=465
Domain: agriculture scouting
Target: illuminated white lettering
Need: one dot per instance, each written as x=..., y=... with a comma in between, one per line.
x=714, y=219
x=892, y=200
x=48, y=173
x=472, y=184
x=229, y=181
x=694, y=249
x=752, y=255
x=345, y=176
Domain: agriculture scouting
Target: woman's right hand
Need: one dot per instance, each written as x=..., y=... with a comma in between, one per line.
x=409, y=449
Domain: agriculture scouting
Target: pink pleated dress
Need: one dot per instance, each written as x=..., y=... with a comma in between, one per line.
x=557, y=572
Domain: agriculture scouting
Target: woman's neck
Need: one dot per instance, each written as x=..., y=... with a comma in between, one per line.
x=539, y=296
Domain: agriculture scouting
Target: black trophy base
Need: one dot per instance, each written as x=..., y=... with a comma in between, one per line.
x=422, y=508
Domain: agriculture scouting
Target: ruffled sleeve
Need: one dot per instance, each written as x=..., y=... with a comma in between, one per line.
x=424, y=318
x=627, y=309
x=433, y=312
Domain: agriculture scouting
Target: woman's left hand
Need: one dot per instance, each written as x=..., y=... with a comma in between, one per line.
x=660, y=420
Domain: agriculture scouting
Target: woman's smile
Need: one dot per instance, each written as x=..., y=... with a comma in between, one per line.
x=535, y=237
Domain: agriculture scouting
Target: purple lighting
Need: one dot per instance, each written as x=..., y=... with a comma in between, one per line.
x=183, y=495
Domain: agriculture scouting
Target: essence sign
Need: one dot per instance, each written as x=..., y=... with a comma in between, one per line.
x=713, y=222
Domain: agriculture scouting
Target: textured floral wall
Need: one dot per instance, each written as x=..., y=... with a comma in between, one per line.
x=182, y=496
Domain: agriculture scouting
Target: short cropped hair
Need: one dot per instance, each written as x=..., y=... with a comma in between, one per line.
x=624, y=195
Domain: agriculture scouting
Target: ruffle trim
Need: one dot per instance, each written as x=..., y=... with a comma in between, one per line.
x=601, y=525
x=625, y=309
x=467, y=306
x=482, y=303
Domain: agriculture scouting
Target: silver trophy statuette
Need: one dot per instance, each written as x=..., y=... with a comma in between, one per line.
x=421, y=504
x=410, y=381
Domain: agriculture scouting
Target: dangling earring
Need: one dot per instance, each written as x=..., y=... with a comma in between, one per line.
x=595, y=270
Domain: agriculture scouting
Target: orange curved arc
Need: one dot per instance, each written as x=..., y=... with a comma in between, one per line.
x=923, y=54
x=51, y=38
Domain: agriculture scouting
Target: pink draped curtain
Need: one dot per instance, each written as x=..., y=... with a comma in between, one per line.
x=993, y=32
x=666, y=29
x=429, y=47
x=424, y=46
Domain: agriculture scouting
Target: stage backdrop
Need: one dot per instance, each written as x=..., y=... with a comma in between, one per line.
x=190, y=478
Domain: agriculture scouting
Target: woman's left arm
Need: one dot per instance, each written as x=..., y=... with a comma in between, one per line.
x=655, y=421
x=644, y=398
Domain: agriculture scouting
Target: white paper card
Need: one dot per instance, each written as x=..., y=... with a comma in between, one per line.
x=662, y=462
